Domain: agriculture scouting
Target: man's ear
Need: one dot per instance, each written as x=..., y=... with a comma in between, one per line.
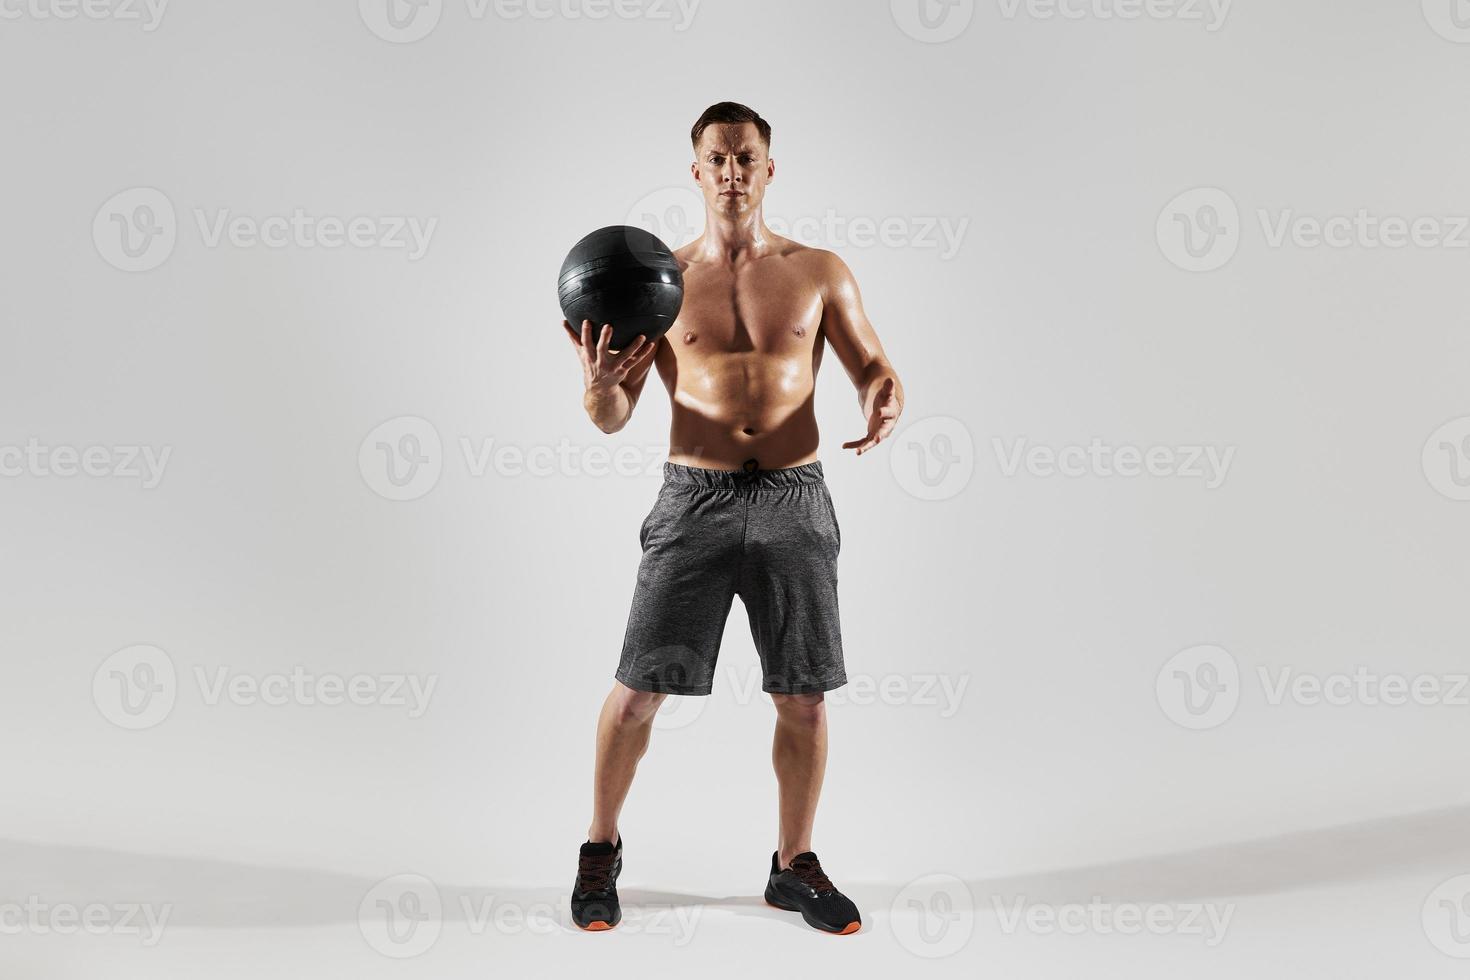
x=770, y=170
x=694, y=169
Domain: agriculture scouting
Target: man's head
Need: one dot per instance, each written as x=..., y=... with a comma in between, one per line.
x=732, y=158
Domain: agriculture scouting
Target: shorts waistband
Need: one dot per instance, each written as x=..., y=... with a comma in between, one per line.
x=749, y=477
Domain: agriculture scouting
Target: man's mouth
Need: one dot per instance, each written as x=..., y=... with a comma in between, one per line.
x=732, y=193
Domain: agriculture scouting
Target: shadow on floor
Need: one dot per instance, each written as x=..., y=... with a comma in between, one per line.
x=216, y=893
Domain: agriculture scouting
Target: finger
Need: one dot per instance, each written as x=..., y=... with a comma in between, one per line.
x=603, y=340
x=631, y=351
x=581, y=352
x=856, y=443
x=571, y=335
x=644, y=356
x=634, y=365
x=586, y=334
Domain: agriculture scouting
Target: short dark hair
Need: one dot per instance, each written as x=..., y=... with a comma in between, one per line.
x=730, y=112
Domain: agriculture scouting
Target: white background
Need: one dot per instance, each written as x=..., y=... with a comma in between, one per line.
x=1052, y=144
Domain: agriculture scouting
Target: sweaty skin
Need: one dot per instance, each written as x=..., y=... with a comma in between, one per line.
x=740, y=363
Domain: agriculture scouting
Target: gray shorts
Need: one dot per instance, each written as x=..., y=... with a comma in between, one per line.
x=768, y=536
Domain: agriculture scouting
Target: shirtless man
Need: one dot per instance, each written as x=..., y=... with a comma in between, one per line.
x=743, y=509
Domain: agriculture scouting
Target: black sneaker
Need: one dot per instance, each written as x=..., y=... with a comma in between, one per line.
x=804, y=888
x=595, y=895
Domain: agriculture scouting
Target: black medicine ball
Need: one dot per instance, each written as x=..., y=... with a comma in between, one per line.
x=624, y=276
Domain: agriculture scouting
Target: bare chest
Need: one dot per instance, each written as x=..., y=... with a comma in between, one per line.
x=771, y=310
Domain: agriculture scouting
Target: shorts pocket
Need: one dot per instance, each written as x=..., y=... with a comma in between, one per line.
x=832, y=516
x=647, y=527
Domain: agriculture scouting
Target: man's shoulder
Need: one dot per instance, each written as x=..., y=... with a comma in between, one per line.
x=821, y=263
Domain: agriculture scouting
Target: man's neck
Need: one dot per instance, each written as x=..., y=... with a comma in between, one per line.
x=731, y=239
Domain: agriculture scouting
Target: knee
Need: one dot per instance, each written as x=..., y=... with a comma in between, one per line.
x=805, y=710
x=630, y=707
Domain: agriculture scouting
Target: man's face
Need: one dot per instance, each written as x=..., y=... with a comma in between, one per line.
x=732, y=167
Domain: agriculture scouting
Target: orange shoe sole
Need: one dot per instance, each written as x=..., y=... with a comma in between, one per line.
x=595, y=927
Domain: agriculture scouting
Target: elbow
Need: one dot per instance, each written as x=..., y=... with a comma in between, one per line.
x=610, y=426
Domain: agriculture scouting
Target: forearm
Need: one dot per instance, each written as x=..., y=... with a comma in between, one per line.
x=609, y=408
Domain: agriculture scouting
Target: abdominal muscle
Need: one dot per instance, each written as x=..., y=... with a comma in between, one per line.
x=729, y=408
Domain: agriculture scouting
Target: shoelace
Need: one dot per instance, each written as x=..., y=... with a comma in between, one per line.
x=594, y=874
x=810, y=873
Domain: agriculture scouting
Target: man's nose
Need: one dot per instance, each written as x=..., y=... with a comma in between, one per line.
x=732, y=175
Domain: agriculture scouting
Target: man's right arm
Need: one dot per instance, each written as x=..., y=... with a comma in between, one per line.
x=613, y=380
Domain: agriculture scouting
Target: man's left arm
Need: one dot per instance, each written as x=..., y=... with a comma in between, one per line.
x=856, y=344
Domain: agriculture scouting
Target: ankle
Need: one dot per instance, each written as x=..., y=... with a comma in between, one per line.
x=601, y=835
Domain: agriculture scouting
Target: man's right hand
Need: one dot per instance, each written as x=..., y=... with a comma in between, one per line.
x=602, y=369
